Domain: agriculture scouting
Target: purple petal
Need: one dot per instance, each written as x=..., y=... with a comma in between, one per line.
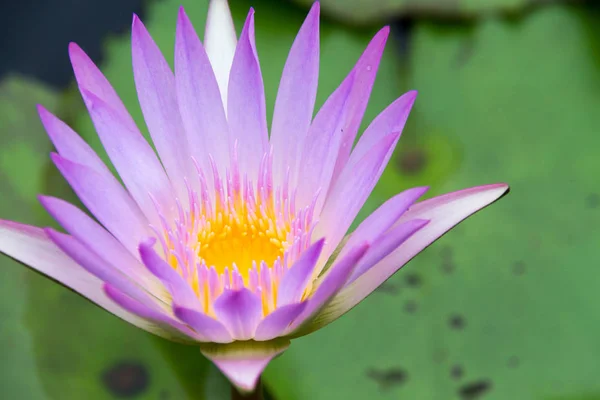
x=365, y=72
x=70, y=145
x=295, y=101
x=350, y=192
x=198, y=95
x=100, y=268
x=243, y=362
x=132, y=156
x=392, y=119
x=383, y=218
x=90, y=78
x=296, y=279
x=240, y=311
x=180, y=290
x=322, y=146
x=276, y=323
x=220, y=40
x=31, y=246
x=207, y=327
x=174, y=330
x=389, y=242
x=96, y=238
x=246, y=110
x=444, y=212
x=332, y=282
x=107, y=200
x=155, y=86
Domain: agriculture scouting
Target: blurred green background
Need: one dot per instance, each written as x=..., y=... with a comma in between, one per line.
x=504, y=307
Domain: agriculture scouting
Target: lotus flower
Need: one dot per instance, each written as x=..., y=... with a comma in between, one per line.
x=232, y=238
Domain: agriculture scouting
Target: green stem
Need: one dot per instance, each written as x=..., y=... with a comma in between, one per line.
x=257, y=394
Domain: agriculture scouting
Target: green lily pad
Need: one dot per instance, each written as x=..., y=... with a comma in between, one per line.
x=506, y=305
x=365, y=12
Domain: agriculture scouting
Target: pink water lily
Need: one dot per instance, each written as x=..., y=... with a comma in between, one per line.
x=232, y=238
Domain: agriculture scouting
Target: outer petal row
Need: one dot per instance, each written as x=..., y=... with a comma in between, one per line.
x=442, y=212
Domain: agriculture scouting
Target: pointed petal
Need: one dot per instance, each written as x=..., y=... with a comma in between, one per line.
x=444, y=212
x=240, y=311
x=387, y=243
x=70, y=145
x=90, y=78
x=333, y=281
x=296, y=279
x=155, y=84
x=365, y=72
x=243, y=362
x=175, y=330
x=107, y=200
x=207, y=327
x=276, y=323
x=350, y=192
x=382, y=219
x=295, y=101
x=31, y=246
x=220, y=41
x=321, y=147
x=132, y=156
x=96, y=238
x=198, y=93
x=246, y=110
x=99, y=268
x=180, y=290
x=392, y=119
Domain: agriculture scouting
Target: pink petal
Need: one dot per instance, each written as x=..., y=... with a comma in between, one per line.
x=333, y=281
x=444, y=212
x=322, y=146
x=180, y=290
x=96, y=238
x=296, y=279
x=100, y=268
x=382, y=219
x=220, y=40
x=295, y=101
x=70, y=145
x=176, y=331
x=246, y=110
x=132, y=156
x=31, y=246
x=392, y=119
x=350, y=192
x=365, y=72
x=276, y=323
x=107, y=200
x=207, y=327
x=198, y=93
x=240, y=311
x=243, y=362
x=155, y=86
x=387, y=243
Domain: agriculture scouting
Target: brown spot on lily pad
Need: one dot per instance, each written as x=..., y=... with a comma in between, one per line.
x=457, y=372
x=412, y=161
x=474, y=390
x=126, y=379
x=413, y=280
x=519, y=268
x=593, y=200
x=457, y=322
x=410, y=307
x=388, y=288
x=387, y=378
